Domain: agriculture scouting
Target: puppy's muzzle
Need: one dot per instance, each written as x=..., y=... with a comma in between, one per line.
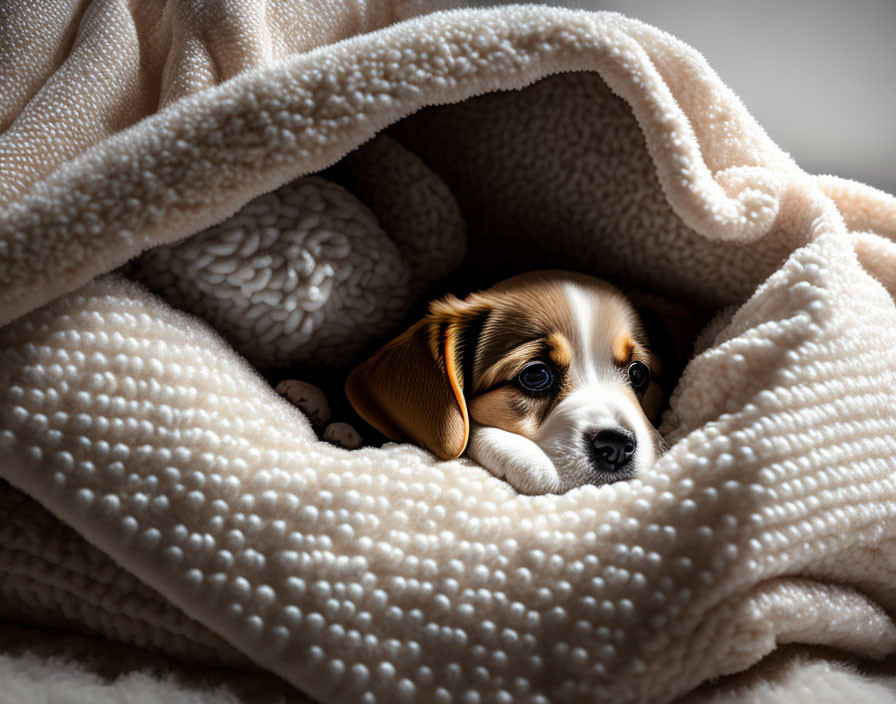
x=612, y=448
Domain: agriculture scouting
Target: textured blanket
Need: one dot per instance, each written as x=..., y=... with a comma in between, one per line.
x=337, y=161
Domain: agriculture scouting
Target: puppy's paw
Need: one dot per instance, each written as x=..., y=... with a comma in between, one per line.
x=309, y=399
x=342, y=435
x=514, y=458
x=312, y=402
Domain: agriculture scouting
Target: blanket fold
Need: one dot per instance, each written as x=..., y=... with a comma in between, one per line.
x=202, y=517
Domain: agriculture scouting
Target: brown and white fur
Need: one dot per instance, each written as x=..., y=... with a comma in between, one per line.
x=452, y=383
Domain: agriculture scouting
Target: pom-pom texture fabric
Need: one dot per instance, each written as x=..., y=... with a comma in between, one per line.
x=205, y=521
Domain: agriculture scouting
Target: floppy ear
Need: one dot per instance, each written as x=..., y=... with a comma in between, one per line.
x=413, y=388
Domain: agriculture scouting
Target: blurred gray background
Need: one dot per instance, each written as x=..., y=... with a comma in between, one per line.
x=818, y=75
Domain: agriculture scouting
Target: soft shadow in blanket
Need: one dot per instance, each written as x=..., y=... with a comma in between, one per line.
x=556, y=175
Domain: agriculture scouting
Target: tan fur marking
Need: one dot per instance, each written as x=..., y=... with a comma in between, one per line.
x=623, y=348
x=561, y=350
x=498, y=409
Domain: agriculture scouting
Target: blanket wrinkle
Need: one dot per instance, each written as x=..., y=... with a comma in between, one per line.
x=792, y=675
x=102, y=672
x=273, y=103
x=471, y=147
x=129, y=60
x=50, y=576
x=865, y=208
x=28, y=56
x=194, y=501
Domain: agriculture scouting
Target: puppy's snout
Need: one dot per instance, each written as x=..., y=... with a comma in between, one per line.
x=613, y=448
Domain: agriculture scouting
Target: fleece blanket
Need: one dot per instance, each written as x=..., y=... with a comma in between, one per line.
x=332, y=164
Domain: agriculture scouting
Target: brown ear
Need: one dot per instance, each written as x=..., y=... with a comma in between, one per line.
x=413, y=388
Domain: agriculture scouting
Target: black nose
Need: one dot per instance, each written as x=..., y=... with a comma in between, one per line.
x=612, y=448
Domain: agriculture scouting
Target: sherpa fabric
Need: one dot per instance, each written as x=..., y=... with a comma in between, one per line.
x=307, y=273
x=176, y=503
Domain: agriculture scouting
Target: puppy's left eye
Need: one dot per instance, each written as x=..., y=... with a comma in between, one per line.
x=638, y=375
x=536, y=376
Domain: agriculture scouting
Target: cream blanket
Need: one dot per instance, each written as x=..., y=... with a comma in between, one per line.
x=203, y=518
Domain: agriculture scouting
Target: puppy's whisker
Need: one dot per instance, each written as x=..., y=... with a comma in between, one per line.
x=661, y=445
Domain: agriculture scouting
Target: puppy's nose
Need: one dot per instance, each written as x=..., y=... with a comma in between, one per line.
x=613, y=448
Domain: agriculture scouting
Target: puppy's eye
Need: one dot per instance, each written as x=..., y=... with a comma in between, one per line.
x=536, y=376
x=638, y=375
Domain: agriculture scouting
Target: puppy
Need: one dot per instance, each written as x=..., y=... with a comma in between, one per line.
x=545, y=379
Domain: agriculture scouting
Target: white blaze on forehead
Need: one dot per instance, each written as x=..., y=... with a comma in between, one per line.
x=599, y=316
x=598, y=396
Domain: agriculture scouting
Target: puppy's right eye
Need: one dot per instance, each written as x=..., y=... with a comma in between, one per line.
x=536, y=376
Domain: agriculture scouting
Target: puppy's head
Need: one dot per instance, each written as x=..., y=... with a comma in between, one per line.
x=556, y=357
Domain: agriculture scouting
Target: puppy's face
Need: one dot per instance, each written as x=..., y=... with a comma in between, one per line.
x=551, y=369
x=563, y=362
